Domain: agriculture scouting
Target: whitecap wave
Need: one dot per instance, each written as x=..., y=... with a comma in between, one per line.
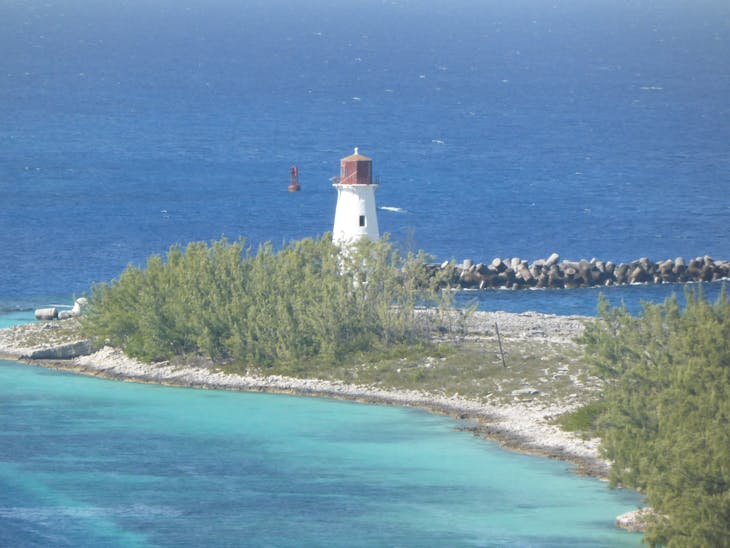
x=45, y=513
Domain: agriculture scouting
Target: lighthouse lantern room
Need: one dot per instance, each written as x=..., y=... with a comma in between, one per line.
x=355, y=216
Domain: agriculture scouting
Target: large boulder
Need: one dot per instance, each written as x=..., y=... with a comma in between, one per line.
x=556, y=279
x=46, y=313
x=639, y=275
x=62, y=351
x=524, y=272
x=636, y=520
x=498, y=265
x=552, y=260
x=469, y=279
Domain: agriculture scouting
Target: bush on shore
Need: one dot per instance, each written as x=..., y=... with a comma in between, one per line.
x=308, y=302
x=666, y=419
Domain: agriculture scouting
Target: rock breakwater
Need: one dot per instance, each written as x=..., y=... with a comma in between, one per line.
x=515, y=273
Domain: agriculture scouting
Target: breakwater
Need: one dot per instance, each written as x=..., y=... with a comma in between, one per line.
x=515, y=273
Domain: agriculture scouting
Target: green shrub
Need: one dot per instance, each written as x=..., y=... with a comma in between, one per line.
x=583, y=420
x=666, y=426
x=307, y=303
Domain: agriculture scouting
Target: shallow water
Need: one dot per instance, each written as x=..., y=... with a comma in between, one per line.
x=87, y=461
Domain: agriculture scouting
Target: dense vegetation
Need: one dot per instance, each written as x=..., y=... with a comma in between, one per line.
x=665, y=414
x=306, y=303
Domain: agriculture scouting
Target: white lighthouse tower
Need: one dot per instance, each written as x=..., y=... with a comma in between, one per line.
x=355, y=216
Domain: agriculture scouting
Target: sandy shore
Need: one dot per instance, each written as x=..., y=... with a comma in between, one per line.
x=521, y=425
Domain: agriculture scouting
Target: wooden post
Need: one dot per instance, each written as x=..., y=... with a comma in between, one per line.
x=499, y=339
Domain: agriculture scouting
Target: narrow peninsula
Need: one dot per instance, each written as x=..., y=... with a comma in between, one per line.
x=515, y=402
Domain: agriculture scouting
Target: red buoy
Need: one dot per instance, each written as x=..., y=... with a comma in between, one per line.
x=294, y=183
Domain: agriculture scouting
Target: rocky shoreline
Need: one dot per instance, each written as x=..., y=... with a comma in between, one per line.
x=520, y=425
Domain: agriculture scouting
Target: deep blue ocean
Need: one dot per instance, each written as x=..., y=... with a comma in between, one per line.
x=592, y=129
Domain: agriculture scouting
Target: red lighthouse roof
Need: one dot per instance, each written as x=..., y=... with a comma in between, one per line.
x=356, y=169
x=356, y=157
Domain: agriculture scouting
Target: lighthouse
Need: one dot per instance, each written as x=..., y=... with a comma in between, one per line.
x=355, y=216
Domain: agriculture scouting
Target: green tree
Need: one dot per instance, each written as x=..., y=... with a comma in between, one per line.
x=666, y=424
x=309, y=302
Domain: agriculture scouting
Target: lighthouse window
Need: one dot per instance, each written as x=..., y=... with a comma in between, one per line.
x=362, y=220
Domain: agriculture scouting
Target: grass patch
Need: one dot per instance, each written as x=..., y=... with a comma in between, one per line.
x=554, y=372
x=584, y=419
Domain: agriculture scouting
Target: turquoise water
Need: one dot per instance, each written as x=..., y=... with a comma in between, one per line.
x=89, y=462
x=18, y=317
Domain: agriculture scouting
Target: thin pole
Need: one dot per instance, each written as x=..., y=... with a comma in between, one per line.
x=499, y=339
